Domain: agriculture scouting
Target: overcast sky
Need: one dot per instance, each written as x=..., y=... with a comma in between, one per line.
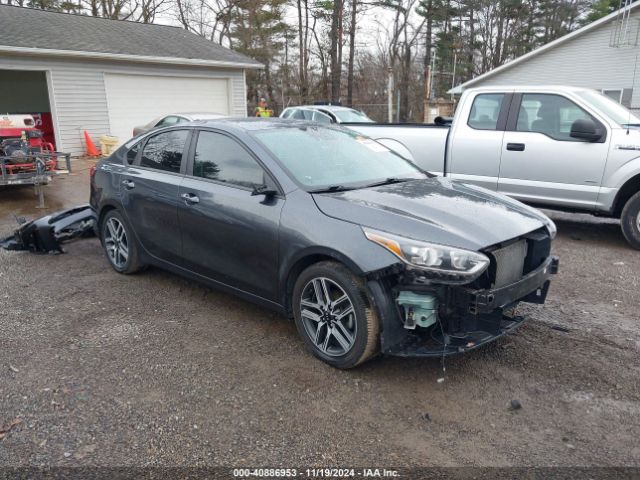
x=370, y=31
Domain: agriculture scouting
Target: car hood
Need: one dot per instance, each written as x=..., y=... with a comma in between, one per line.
x=436, y=210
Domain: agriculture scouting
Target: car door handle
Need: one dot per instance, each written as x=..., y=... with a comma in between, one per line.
x=190, y=198
x=515, y=147
x=128, y=184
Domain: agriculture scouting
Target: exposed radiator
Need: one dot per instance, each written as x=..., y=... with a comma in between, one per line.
x=509, y=263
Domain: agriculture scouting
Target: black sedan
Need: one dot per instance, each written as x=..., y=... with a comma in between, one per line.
x=365, y=251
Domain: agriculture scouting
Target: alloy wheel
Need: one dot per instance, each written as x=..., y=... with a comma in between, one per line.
x=328, y=316
x=116, y=243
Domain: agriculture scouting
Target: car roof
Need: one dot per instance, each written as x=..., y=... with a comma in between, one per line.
x=259, y=123
x=238, y=124
x=198, y=115
x=331, y=108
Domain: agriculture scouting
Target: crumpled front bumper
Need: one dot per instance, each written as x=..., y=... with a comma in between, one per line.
x=46, y=234
x=531, y=288
x=483, y=315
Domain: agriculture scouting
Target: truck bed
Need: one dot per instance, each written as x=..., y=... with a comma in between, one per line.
x=425, y=144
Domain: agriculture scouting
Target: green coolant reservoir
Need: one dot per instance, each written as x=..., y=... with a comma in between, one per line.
x=420, y=309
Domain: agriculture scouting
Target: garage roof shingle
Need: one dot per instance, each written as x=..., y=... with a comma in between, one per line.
x=37, y=29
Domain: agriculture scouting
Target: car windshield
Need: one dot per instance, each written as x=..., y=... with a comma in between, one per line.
x=612, y=109
x=351, y=115
x=325, y=157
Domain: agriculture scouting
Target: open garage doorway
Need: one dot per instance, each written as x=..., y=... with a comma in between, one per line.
x=26, y=92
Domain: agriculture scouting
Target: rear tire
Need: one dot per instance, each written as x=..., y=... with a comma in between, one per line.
x=119, y=243
x=630, y=221
x=333, y=315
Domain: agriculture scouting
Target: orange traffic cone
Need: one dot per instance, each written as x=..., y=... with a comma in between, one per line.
x=92, y=150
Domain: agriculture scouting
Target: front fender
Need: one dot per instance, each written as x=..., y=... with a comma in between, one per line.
x=616, y=175
x=318, y=251
x=620, y=174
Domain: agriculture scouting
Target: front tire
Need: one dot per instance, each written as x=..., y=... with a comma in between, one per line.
x=333, y=315
x=119, y=243
x=630, y=221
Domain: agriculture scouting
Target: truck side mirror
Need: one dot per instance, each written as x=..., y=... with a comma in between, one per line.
x=586, y=129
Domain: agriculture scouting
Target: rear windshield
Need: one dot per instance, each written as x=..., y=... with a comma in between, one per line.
x=318, y=156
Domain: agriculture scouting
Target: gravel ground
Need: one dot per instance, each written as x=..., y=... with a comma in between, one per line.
x=154, y=370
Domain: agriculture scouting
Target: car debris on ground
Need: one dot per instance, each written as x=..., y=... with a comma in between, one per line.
x=46, y=234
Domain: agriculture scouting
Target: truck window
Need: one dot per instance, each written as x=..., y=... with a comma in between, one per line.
x=485, y=111
x=551, y=115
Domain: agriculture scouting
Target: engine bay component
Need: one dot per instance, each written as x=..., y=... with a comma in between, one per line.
x=420, y=309
x=463, y=317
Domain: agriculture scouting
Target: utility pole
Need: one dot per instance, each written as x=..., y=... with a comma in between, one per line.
x=453, y=77
x=433, y=72
x=390, y=95
x=427, y=94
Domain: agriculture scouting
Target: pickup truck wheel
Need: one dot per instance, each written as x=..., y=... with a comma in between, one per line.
x=630, y=221
x=119, y=244
x=333, y=315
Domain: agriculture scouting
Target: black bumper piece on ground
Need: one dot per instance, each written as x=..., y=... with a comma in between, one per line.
x=484, y=319
x=46, y=234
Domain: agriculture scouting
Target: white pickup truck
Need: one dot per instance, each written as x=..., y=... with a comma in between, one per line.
x=554, y=147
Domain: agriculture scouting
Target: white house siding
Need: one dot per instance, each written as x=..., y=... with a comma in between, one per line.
x=586, y=60
x=77, y=92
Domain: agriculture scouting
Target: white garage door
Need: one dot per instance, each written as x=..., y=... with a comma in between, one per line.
x=137, y=99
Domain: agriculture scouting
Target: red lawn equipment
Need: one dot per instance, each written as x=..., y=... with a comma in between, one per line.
x=25, y=158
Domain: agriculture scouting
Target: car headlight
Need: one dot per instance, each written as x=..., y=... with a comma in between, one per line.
x=440, y=263
x=551, y=228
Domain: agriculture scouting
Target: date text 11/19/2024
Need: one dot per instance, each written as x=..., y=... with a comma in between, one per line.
x=315, y=473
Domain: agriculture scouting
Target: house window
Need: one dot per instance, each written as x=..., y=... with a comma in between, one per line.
x=615, y=94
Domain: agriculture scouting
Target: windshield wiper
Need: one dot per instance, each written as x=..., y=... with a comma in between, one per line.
x=341, y=188
x=331, y=188
x=388, y=181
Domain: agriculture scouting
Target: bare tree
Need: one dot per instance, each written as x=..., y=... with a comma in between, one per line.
x=352, y=50
x=336, y=49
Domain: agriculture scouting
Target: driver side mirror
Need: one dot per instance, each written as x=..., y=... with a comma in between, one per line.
x=585, y=129
x=265, y=190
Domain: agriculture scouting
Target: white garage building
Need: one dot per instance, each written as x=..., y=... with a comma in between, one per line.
x=77, y=73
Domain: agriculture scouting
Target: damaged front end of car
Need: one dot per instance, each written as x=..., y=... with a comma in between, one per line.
x=46, y=234
x=442, y=300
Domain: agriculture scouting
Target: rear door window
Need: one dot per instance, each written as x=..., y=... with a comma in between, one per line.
x=485, y=111
x=302, y=114
x=321, y=117
x=132, y=153
x=164, y=151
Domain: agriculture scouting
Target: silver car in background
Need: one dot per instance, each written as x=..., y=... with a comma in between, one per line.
x=326, y=114
x=174, y=119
